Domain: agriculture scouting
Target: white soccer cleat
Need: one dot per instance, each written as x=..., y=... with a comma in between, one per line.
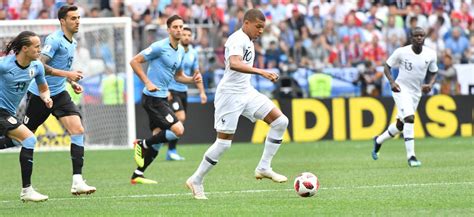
x=198, y=190
x=80, y=187
x=29, y=194
x=270, y=174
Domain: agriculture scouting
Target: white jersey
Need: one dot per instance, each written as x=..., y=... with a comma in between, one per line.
x=238, y=44
x=413, y=67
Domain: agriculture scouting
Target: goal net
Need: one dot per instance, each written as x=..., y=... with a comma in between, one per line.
x=107, y=105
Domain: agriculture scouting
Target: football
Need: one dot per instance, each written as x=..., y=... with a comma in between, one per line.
x=306, y=184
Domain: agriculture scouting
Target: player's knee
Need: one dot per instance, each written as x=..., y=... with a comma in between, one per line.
x=281, y=123
x=77, y=130
x=409, y=119
x=399, y=125
x=29, y=142
x=173, y=135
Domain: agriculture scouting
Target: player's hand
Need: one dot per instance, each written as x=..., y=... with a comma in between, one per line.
x=273, y=77
x=77, y=87
x=75, y=75
x=426, y=88
x=203, y=98
x=170, y=96
x=48, y=102
x=197, y=77
x=151, y=87
x=395, y=87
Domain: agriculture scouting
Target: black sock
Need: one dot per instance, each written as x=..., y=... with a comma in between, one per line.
x=377, y=147
x=150, y=155
x=172, y=144
x=157, y=139
x=26, y=164
x=77, y=157
x=6, y=142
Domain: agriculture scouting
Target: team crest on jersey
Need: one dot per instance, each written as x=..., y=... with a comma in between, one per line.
x=32, y=73
x=12, y=120
x=175, y=105
x=169, y=118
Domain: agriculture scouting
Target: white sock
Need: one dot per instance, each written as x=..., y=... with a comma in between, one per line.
x=409, y=134
x=138, y=172
x=273, y=142
x=211, y=157
x=391, y=132
x=77, y=178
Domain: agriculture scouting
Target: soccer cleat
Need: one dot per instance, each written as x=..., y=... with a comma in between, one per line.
x=29, y=194
x=172, y=155
x=142, y=180
x=270, y=174
x=375, y=152
x=198, y=190
x=139, y=153
x=80, y=187
x=413, y=162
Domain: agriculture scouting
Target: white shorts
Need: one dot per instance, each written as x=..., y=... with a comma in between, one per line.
x=406, y=103
x=229, y=107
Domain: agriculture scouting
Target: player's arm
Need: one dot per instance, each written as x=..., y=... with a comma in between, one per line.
x=70, y=75
x=136, y=64
x=433, y=73
x=183, y=78
x=387, y=70
x=43, y=89
x=200, y=86
x=237, y=64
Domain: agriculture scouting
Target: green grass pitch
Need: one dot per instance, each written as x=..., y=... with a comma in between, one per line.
x=351, y=182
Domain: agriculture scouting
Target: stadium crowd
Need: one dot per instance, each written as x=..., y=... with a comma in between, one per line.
x=312, y=35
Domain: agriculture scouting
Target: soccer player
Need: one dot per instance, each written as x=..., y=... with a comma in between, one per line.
x=16, y=72
x=178, y=97
x=165, y=62
x=234, y=97
x=413, y=61
x=58, y=53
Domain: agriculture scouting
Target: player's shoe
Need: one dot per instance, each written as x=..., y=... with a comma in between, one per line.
x=139, y=154
x=80, y=187
x=270, y=174
x=197, y=189
x=173, y=155
x=142, y=180
x=413, y=162
x=29, y=194
x=375, y=151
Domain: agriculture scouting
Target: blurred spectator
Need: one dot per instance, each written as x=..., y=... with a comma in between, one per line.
x=449, y=81
x=235, y=22
x=94, y=13
x=370, y=80
x=417, y=11
x=413, y=24
x=329, y=38
x=198, y=10
x=470, y=52
x=393, y=11
x=393, y=35
x=457, y=44
x=3, y=14
x=276, y=11
x=298, y=54
x=374, y=52
x=340, y=9
x=434, y=42
x=295, y=5
x=315, y=22
x=287, y=36
x=43, y=14
x=440, y=20
x=350, y=28
x=296, y=21
x=273, y=54
x=317, y=54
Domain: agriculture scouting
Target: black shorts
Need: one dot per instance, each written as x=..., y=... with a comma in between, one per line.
x=159, y=112
x=37, y=112
x=7, y=122
x=179, y=101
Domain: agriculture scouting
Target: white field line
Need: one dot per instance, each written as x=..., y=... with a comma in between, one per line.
x=253, y=191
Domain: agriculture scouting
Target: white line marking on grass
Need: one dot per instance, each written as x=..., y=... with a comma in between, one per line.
x=254, y=191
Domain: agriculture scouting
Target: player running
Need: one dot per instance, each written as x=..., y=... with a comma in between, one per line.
x=178, y=97
x=235, y=96
x=165, y=63
x=413, y=61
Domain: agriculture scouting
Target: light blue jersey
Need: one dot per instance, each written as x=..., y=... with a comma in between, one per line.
x=190, y=64
x=163, y=63
x=15, y=79
x=61, y=51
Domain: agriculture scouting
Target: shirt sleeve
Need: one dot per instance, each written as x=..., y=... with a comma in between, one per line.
x=433, y=68
x=393, y=59
x=195, y=62
x=235, y=47
x=50, y=47
x=152, y=52
x=40, y=78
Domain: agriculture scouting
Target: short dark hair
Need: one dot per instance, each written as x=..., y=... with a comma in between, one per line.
x=171, y=19
x=253, y=15
x=188, y=29
x=22, y=39
x=62, y=12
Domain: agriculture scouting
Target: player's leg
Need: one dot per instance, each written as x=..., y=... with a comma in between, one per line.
x=392, y=130
x=178, y=104
x=69, y=116
x=36, y=111
x=7, y=142
x=409, y=130
x=226, y=117
x=28, y=141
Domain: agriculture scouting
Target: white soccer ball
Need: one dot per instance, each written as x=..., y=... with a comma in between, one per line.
x=306, y=184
